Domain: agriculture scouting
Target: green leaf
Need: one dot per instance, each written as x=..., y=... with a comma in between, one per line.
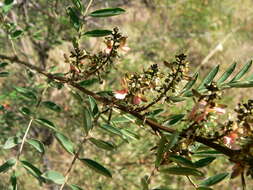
x=78, y=4
x=98, y=33
x=214, y=179
x=181, y=160
x=65, y=142
x=129, y=134
x=207, y=153
x=93, y=106
x=182, y=171
x=160, y=151
x=12, y=142
x=112, y=129
x=7, y=165
x=144, y=183
x=46, y=123
x=244, y=84
x=227, y=73
x=39, y=146
x=87, y=83
x=16, y=34
x=8, y=2
x=242, y=72
x=51, y=105
x=173, y=139
x=54, y=176
x=26, y=93
x=87, y=120
x=74, y=17
x=102, y=144
x=175, y=119
x=96, y=167
x=3, y=64
x=75, y=187
x=34, y=171
x=4, y=74
x=25, y=111
x=204, y=188
x=13, y=180
x=107, y=12
x=204, y=162
x=191, y=82
x=209, y=78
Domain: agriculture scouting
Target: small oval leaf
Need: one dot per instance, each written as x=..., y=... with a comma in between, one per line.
x=54, y=176
x=98, y=33
x=102, y=144
x=7, y=165
x=209, y=78
x=51, y=105
x=34, y=171
x=39, y=146
x=96, y=167
x=227, y=73
x=214, y=179
x=65, y=142
x=182, y=171
x=46, y=123
x=107, y=12
x=87, y=120
x=12, y=142
x=204, y=162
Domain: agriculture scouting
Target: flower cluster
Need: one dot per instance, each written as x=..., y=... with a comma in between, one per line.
x=84, y=65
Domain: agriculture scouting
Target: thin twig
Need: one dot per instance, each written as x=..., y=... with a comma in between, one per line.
x=72, y=163
x=87, y=8
x=193, y=184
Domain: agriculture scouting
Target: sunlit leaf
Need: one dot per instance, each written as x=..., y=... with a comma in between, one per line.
x=54, y=176
x=111, y=129
x=65, y=142
x=227, y=73
x=39, y=146
x=242, y=72
x=209, y=78
x=12, y=142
